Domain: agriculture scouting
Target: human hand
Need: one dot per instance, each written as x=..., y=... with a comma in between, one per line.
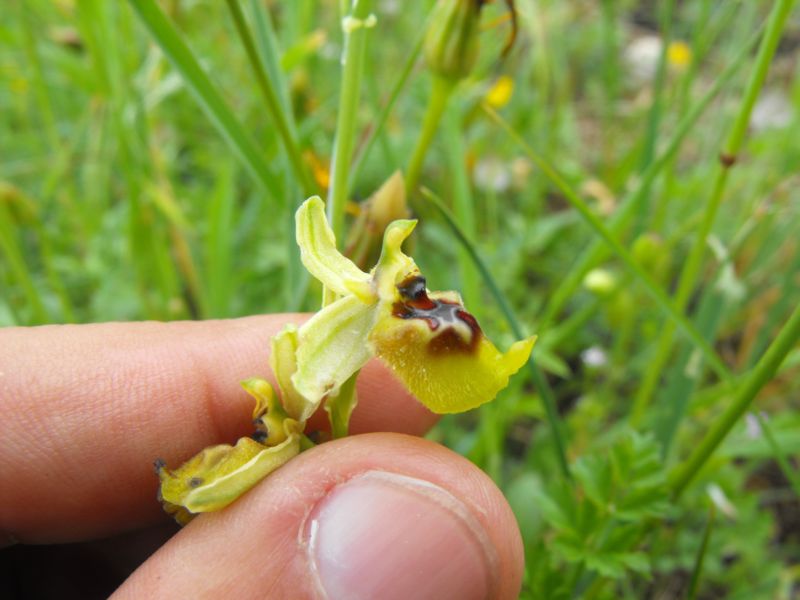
x=84, y=411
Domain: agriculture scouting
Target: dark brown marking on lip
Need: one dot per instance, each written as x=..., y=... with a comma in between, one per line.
x=438, y=314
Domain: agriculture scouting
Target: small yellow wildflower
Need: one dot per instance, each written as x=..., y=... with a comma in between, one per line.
x=500, y=93
x=679, y=55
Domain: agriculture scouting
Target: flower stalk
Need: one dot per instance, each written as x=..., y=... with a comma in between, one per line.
x=355, y=26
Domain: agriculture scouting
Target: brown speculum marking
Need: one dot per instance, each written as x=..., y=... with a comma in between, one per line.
x=449, y=319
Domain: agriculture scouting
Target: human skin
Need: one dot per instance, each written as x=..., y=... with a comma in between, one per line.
x=84, y=411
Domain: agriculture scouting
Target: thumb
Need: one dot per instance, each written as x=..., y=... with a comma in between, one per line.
x=372, y=516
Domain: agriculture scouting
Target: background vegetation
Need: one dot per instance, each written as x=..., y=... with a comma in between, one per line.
x=628, y=174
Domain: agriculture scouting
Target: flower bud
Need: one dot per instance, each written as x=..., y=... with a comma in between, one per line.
x=650, y=252
x=601, y=282
x=451, y=43
x=387, y=204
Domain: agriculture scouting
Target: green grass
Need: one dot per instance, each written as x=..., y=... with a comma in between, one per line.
x=153, y=153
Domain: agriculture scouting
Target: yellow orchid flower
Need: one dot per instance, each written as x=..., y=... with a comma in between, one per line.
x=429, y=340
x=433, y=345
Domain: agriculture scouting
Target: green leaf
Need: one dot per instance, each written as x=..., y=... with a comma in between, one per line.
x=558, y=507
x=594, y=474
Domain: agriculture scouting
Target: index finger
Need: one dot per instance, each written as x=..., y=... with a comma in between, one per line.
x=85, y=409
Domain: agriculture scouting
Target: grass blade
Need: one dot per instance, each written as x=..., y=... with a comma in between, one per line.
x=694, y=582
x=207, y=95
x=762, y=373
x=694, y=262
x=780, y=456
x=358, y=163
x=271, y=99
x=538, y=378
x=614, y=244
x=597, y=251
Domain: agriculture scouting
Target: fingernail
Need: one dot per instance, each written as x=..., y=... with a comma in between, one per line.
x=383, y=535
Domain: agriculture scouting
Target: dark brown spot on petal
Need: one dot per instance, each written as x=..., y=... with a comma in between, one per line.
x=440, y=316
x=195, y=482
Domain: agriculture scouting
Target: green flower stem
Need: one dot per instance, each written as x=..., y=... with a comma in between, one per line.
x=692, y=266
x=340, y=407
x=306, y=443
x=546, y=394
x=383, y=117
x=355, y=44
x=762, y=373
x=271, y=99
x=629, y=207
x=614, y=244
x=441, y=89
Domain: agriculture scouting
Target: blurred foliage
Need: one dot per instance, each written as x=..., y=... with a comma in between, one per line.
x=120, y=200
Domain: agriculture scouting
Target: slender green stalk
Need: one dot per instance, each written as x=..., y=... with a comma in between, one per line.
x=629, y=207
x=441, y=89
x=271, y=99
x=546, y=394
x=654, y=116
x=611, y=240
x=694, y=582
x=360, y=160
x=694, y=262
x=611, y=75
x=762, y=373
x=355, y=27
x=789, y=472
x=39, y=80
x=269, y=51
x=19, y=269
x=705, y=35
x=207, y=95
x=340, y=407
x=463, y=204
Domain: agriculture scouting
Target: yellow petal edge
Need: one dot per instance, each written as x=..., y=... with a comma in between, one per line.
x=446, y=382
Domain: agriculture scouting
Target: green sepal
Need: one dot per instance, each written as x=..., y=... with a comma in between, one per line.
x=332, y=346
x=218, y=475
x=319, y=254
x=283, y=361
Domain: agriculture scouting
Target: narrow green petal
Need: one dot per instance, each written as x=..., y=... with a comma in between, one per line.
x=283, y=361
x=219, y=475
x=332, y=346
x=320, y=256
